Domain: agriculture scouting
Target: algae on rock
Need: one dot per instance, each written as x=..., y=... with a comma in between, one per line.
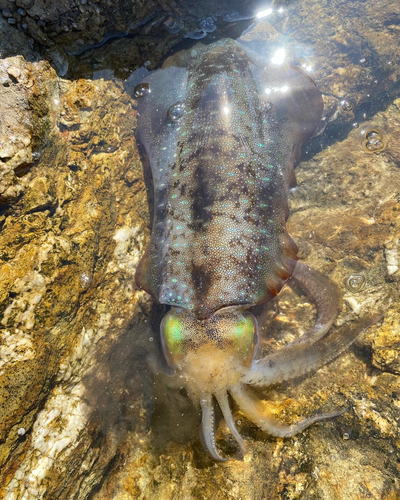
x=72, y=230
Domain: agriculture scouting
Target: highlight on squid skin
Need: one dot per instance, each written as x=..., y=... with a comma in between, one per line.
x=220, y=128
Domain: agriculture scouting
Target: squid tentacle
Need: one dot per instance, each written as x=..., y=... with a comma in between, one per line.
x=263, y=418
x=208, y=427
x=323, y=294
x=288, y=362
x=223, y=402
x=296, y=360
x=299, y=356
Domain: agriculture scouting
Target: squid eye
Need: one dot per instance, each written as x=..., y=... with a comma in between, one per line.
x=172, y=336
x=244, y=327
x=245, y=336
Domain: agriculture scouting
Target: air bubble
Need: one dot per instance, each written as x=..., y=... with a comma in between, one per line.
x=355, y=282
x=373, y=140
x=176, y=111
x=84, y=280
x=346, y=436
x=346, y=105
x=141, y=90
x=151, y=339
x=375, y=146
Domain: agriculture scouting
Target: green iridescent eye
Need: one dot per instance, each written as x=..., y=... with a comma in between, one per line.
x=245, y=334
x=172, y=336
x=244, y=328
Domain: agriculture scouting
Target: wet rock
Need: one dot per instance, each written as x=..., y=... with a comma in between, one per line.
x=76, y=28
x=6, y=13
x=349, y=59
x=15, y=42
x=15, y=128
x=37, y=195
x=386, y=345
x=57, y=253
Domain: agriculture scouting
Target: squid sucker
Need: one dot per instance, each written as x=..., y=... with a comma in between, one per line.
x=221, y=129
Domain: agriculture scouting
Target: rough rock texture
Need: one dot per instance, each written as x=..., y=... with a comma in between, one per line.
x=73, y=220
x=13, y=42
x=70, y=27
x=81, y=416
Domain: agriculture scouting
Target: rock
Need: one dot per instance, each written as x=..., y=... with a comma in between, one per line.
x=76, y=28
x=386, y=345
x=37, y=195
x=14, y=72
x=15, y=42
x=6, y=13
x=15, y=128
x=56, y=248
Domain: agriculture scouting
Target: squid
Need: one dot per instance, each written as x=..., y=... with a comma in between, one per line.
x=220, y=130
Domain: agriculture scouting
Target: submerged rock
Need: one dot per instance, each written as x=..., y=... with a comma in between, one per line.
x=386, y=344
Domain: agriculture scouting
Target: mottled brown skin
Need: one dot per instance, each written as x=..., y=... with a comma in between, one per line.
x=221, y=169
x=221, y=176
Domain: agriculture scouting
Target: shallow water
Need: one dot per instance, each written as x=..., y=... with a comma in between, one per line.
x=101, y=425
